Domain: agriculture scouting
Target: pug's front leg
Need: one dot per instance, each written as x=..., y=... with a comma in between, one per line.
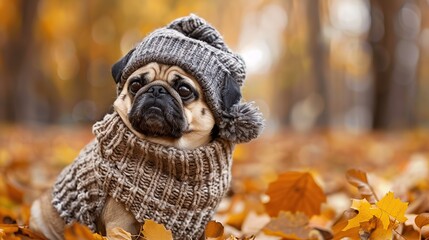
x=45, y=219
x=115, y=215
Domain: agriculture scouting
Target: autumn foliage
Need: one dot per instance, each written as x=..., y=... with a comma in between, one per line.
x=326, y=201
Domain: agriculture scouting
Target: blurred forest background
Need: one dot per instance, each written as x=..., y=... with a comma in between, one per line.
x=320, y=70
x=354, y=65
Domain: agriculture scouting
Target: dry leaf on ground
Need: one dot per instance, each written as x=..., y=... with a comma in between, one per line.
x=359, y=179
x=294, y=192
x=214, y=230
x=391, y=207
x=155, y=231
x=79, y=231
x=422, y=221
x=118, y=234
x=380, y=219
x=288, y=226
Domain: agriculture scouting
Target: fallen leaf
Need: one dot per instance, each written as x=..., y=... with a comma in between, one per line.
x=424, y=231
x=9, y=228
x=409, y=232
x=378, y=219
x=155, y=231
x=214, y=230
x=359, y=179
x=391, y=207
x=77, y=231
x=341, y=223
x=365, y=213
x=324, y=220
x=422, y=220
x=294, y=192
x=118, y=233
x=289, y=226
x=236, y=219
x=15, y=175
x=253, y=222
x=6, y=236
x=380, y=233
x=240, y=207
x=31, y=234
x=231, y=237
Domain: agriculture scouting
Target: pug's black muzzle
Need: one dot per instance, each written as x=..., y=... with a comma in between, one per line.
x=155, y=112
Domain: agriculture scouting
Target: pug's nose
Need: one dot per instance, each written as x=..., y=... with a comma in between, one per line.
x=157, y=90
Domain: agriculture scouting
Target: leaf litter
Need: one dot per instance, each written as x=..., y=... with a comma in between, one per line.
x=287, y=186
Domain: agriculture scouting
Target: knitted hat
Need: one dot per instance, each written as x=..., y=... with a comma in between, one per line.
x=199, y=49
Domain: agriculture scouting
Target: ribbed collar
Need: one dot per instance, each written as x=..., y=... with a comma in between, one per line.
x=118, y=143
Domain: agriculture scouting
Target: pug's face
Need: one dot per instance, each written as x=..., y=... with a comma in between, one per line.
x=164, y=104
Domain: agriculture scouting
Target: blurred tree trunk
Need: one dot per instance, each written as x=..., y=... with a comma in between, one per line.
x=14, y=54
x=300, y=94
x=317, y=56
x=25, y=93
x=395, y=78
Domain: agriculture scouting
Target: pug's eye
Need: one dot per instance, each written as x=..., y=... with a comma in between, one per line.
x=185, y=92
x=135, y=87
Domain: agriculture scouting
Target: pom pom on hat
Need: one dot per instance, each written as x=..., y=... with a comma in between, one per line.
x=242, y=123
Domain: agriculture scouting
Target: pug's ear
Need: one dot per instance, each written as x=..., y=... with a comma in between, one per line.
x=230, y=93
x=120, y=65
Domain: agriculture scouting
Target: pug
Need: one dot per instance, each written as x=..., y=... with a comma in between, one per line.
x=160, y=103
x=165, y=153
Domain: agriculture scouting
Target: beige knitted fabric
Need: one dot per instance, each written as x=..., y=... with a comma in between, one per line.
x=178, y=188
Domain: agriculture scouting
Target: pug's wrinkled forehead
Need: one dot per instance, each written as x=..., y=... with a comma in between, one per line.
x=175, y=80
x=154, y=71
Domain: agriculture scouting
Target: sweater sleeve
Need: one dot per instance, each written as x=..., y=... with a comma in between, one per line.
x=76, y=195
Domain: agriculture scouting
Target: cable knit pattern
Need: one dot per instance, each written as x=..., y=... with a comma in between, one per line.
x=178, y=188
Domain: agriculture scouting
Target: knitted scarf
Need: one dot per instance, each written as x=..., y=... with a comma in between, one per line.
x=178, y=188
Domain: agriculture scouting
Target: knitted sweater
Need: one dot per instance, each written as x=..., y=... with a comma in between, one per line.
x=178, y=188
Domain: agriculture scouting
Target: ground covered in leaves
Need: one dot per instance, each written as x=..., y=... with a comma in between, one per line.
x=324, y=185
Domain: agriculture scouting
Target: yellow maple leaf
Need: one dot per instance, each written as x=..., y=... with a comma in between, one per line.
x=382, y=233
x=391, y=207
x=385, y=209
x=364, y=215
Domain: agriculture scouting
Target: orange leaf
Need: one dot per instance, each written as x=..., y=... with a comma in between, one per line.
x=294, y=192
x=32, y=235
x=289, y=226
x=236, y=219
x=214, y=230
x=9, y=228
x=77, y=231
x=15, y=174
x=422, y=219
x=341, y=223
x=155, y=231
x=359, y=179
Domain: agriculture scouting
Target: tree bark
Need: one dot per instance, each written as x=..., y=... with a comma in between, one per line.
x=317, y=55
x=394, y=84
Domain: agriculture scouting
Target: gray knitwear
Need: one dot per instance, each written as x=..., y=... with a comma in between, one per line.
x=178, y=188
x=198, y=48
